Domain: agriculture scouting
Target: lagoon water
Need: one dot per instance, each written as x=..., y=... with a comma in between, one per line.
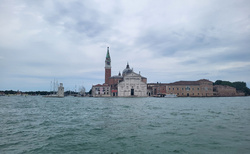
x=36, y=124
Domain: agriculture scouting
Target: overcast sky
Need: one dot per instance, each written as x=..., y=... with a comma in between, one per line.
x=166, y=40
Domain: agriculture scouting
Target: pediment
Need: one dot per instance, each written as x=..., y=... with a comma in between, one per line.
x=133, y=74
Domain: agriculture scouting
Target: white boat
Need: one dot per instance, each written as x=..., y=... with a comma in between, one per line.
x=170, y=95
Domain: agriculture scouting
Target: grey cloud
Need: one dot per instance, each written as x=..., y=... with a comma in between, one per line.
x=171, y=42
x=74, y=35
x=83, y=18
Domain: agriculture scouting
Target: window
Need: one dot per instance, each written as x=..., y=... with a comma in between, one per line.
x=192, y=88
x=177, y=88
x=182, y=88
x=169, y=88
x=187, y=88
x=173, y=88
x=198, y=88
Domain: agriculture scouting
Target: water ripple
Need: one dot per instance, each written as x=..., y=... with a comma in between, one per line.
x=124, y=125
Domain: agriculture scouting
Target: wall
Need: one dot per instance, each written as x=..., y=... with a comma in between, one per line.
x=221, y=90
x=132, y=82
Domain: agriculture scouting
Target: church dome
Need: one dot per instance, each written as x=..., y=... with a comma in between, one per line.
x=127, y=70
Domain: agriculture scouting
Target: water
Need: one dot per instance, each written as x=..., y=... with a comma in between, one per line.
x=36, y=124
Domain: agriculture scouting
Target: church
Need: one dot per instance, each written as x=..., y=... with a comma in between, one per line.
x=127, y=84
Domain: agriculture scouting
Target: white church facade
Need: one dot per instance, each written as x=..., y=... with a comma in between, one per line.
x=132, y=85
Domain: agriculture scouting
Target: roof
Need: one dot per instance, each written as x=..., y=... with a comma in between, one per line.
x=204, y=80
x=185, y=83
x=116, y=76
x=190, y=82
x=101, y=85
x=127, y=70
x=181, y=83
x=153, y=84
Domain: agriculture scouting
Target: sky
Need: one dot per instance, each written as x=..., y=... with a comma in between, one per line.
x=165, y=40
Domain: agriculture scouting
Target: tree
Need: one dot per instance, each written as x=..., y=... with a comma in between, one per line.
x=218, y=82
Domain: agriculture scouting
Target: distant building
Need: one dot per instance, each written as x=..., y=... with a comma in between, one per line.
x=101, y=90
x=129, y=84
x=200, y=88
x=60, y=91
x=156, y=89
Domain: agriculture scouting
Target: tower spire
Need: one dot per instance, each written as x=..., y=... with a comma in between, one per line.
x=107, y=55
x=107, y=67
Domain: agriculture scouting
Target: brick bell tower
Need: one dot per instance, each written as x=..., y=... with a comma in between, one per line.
x=107, y=67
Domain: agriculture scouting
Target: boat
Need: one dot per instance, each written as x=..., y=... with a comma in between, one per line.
x=170, y=95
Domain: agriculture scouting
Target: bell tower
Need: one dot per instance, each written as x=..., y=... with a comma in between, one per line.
x=107, y=67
